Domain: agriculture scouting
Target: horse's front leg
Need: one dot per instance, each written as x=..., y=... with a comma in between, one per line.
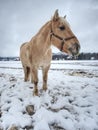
x=45, y=76
x=34, y=75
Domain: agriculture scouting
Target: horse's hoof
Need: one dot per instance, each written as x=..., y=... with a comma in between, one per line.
x=45, y=89
x=35, y=93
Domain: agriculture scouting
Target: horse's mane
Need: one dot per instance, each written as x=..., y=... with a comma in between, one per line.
x=43, y=27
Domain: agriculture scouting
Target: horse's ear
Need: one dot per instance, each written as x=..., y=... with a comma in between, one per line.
x=56, y=15
x=65, y=17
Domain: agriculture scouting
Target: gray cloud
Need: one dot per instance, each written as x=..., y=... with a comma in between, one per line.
x=21, y=19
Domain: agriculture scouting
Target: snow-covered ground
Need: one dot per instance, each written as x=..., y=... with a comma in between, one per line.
x=70, y=103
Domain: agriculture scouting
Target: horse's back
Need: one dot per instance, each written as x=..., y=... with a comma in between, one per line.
x=23, y=45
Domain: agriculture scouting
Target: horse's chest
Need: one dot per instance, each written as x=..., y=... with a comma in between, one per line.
x=41, y=61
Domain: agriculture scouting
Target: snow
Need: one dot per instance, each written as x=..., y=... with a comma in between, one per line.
x=70, y=103
x=60, y=64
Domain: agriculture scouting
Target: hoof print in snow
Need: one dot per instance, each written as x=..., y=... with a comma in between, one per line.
x=12, y=86
x=30, y=109
x=55, y=126
x=67, y=94
x=54, y=99
x=13, y=128
x=12, y=78
x=0, y=113
x=28, y=127
x=2, y=75
x=54, y=109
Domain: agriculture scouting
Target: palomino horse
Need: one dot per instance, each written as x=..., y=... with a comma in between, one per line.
x=37, y=52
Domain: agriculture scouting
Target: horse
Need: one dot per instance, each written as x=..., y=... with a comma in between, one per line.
x=38, y=53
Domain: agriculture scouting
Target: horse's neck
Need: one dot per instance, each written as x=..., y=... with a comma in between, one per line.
x=45, y=28
x=42, y=38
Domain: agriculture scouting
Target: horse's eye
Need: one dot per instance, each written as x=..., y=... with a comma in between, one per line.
x=62, y=28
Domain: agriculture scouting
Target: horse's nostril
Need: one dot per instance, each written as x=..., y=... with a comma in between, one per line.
x=74, y=49
x=77, y=46
x=70, y=49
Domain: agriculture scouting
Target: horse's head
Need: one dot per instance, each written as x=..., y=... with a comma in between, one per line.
x=62, y=36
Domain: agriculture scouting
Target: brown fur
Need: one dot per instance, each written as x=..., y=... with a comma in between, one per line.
x=37, y=52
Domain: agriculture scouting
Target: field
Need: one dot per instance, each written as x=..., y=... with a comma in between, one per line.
x=70, y=103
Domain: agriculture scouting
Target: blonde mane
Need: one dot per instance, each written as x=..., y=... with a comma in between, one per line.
x=43, y=27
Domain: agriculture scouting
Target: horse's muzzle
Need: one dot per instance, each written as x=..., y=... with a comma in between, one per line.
x=74, y=49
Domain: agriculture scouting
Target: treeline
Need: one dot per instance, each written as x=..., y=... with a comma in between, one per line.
x=60, y=56
x=88, y=56
x=82, y=56
x=9, y=59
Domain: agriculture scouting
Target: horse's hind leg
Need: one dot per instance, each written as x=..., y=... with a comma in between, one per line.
x=26, y=73
x=34, y=76
x=45, y=76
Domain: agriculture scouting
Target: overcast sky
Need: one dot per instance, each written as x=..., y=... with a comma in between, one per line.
x=20, y=20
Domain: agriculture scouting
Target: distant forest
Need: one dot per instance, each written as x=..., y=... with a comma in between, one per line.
x=82, y=56
x=61, y=56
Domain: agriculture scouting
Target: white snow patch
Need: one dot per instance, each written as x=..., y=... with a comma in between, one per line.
x=70, y=103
